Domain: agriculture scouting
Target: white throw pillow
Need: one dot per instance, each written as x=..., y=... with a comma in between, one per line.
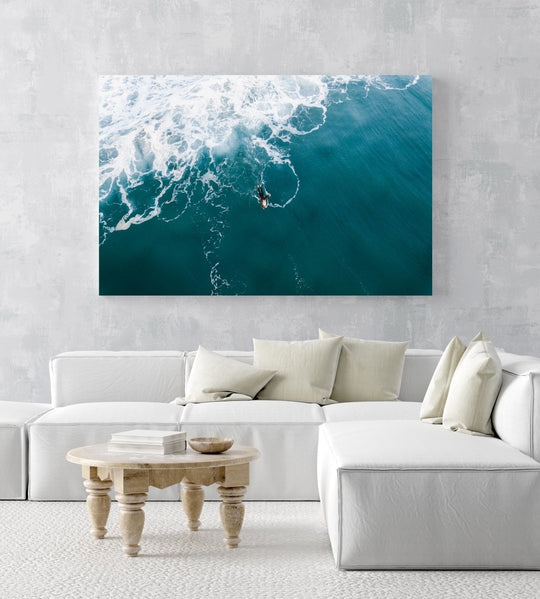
x=435, y=398
x=368, y=370
x=305, y=369
x=474, y=389
x=217, y=378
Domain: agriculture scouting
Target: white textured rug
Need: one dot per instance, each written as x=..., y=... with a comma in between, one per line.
x=46, y=551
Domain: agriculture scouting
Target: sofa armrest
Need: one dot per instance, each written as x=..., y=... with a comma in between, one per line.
x=516, y=415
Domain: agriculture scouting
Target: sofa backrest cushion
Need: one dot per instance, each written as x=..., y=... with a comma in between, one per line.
x=516, y=415
x=419, y=367
x=98, y=376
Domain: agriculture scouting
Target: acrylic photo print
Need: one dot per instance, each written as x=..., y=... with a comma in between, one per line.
x=265, y=185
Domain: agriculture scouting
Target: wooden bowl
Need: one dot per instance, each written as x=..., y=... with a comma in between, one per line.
x=210, y=444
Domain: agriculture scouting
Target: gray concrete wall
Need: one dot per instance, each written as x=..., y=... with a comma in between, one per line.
x=484, y=58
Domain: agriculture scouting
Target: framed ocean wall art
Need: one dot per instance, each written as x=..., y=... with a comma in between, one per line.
x=265, y=185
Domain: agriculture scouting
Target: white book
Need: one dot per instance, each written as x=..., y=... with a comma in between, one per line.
x=148, y=436
x=149, y=443
x=173, y=444
x=179, y=447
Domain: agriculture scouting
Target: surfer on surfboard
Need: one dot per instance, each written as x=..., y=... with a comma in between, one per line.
x=263, y=196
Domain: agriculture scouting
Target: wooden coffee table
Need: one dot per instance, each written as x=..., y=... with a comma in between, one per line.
x=132, y=474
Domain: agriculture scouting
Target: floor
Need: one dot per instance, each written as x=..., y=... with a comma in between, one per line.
x=46, y=551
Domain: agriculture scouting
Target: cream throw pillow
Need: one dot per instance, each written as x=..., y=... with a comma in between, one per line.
x=305, y=369
x=368, y=370
x=437, y=391
x=474, y=389
x=217, y=378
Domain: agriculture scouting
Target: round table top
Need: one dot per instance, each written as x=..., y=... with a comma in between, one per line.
x=100, y=456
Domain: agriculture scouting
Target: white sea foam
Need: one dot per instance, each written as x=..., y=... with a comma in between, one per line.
x=161, y=125
x=387, y=82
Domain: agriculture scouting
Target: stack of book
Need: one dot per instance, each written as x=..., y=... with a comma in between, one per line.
x=149, y=442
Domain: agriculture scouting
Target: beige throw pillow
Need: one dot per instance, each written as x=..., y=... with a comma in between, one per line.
x=437, y=391
x=474, y=389
x=305, y=369
x=368, y=370
x=217, y=378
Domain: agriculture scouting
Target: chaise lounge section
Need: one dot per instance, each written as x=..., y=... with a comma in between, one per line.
x=404, y=494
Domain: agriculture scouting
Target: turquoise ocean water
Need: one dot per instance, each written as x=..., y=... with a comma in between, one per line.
x=347, y=161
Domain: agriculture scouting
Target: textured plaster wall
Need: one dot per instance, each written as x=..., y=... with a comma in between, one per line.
x=484, y=58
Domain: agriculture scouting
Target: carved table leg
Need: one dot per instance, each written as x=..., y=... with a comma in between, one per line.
x=131, y=520
x=232, y=513
x=98, y=504
x=192, y=502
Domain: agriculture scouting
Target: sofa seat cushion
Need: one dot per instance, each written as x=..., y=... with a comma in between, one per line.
x=372, y=410
x=285, y=432
x=411, y=444
x=256, y=411
x=113, y=412
x=56, y=432
x=404, y=494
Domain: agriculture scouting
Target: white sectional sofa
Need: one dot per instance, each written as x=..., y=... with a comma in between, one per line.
x=97, y=393
x=396, y=492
